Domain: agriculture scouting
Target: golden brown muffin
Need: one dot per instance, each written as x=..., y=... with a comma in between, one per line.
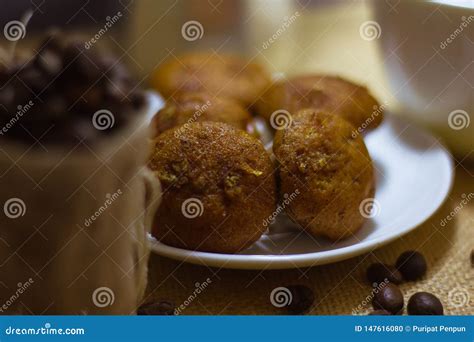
x=219, y=75
x=219, y=187
x=196, y=107
x=330, y=169
x=327, y=93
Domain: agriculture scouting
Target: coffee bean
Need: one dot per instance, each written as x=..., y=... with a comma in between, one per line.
x=412, y=265
x=389, y=298
x=380, y=313
x=472, y=258
x=424, y=303
x=302, y=298
x=163, y=308
x=378, y=273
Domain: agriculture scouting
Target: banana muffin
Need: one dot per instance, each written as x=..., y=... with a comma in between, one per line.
x=331, y=94
x=219, y=187
x=196, y=107
x=329, y=167
x=219, y=75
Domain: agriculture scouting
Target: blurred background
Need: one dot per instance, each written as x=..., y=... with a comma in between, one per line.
x=398, y=48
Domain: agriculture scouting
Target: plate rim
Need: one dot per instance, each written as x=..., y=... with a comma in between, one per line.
x=290, y=261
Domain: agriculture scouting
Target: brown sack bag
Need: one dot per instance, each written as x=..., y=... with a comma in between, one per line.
x=74, y=223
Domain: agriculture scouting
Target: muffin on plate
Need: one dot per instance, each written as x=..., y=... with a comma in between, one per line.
x=330, y=169
x=219, y=187
x=187, y=108
x=220, y=75
x=331, y=94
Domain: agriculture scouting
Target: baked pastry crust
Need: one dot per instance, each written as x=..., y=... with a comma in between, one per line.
x=197, y=107
x=218, y=187
x=330, y=168
x=331, y=94
x=220, y=75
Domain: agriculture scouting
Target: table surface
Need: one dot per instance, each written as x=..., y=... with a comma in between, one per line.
x=340, y=288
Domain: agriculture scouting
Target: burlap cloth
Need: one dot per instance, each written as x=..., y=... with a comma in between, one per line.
x=341, y=287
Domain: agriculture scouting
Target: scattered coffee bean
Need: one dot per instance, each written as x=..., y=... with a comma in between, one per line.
x=412, y=265
x=163, y=308
x=424, y=303
x=380, y=313
x=472, y=258
x=378, y=273
x=389, y=298
x=302, y=299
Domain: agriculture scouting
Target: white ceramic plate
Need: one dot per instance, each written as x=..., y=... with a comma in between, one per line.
x=414, y=176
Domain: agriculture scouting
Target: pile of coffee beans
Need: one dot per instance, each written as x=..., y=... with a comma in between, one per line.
x=52, y=96
x=388, y=298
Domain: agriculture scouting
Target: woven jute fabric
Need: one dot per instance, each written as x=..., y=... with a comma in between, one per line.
x=340, y=288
